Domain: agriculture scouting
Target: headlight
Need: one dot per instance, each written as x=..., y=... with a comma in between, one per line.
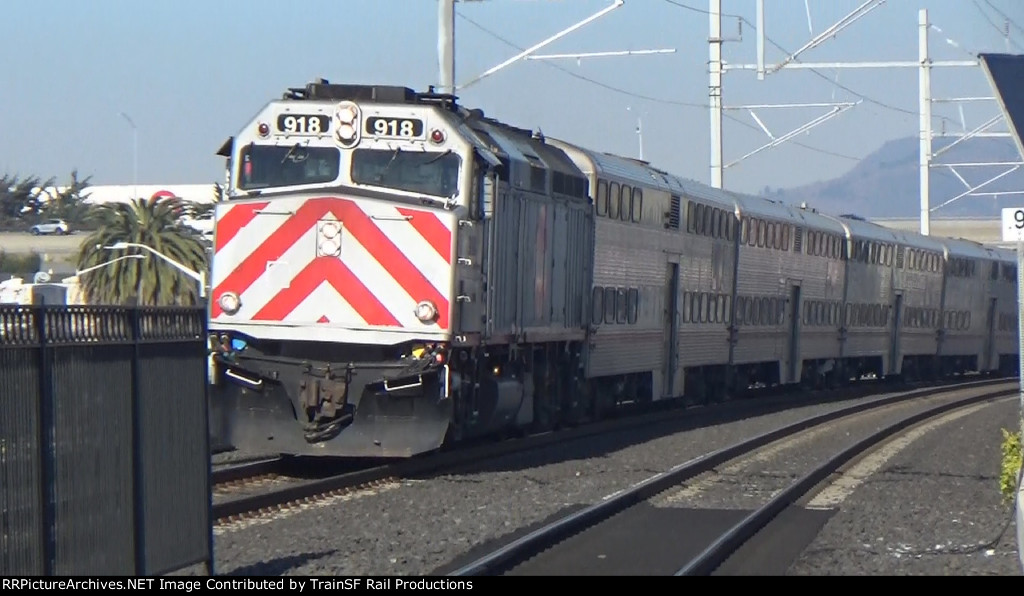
x=426, y=311
x=229, y=302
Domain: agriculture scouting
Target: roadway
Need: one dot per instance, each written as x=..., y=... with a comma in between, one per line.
x=23, y=242
x=58, y=251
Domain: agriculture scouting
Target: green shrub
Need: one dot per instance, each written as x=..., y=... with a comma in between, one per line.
x=20, y=264
x=1011, y=465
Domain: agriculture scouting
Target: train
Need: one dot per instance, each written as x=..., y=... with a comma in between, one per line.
x=394, y=272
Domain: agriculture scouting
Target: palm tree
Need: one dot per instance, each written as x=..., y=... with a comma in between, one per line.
x=149, y=281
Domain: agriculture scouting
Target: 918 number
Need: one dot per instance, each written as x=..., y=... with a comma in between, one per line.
x=300, y=124
x=394, y=127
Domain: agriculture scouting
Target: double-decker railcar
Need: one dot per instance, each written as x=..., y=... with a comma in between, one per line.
x=393, y=271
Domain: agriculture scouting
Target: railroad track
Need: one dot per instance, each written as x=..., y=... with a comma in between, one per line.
x=265, y=488
x=621, y=517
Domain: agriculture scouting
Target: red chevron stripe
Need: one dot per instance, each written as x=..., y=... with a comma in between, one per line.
x=253, y=266
x=234, y=220
x=433, y=231
x=397, y=265
x=334, y=272
x=356, y=222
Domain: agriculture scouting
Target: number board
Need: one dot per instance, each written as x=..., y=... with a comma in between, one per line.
x=1013, y=224
x=303, y=124
x=400, y=128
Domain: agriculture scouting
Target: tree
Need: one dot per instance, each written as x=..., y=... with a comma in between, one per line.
x=18, y=198
x=67, y=203
x=150, y=281
x=204, y=211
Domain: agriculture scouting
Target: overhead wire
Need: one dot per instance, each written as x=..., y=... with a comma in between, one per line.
x=642, y=96
x=994, y=25
x=815, y=71
x=1005, y=16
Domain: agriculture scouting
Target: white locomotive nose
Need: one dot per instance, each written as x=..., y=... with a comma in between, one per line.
x=426, y=311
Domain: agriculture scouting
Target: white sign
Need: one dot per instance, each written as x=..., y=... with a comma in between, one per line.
x=1013, y=224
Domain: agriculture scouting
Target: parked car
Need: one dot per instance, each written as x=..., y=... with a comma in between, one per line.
x=51, y=226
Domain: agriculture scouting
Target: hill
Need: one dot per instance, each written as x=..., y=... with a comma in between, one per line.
x=886, y=183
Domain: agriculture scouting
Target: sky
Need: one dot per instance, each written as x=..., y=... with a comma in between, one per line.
x=82, y=84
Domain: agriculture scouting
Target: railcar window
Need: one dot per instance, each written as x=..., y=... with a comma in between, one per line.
x=698, y=214
x=673, y=212
x=270, y=166
x=632, y=305
x=691, y=219
x=687, y=311
x=755, y=311
x=428, y=173
x=708, y=222
x=770, y=233
x=598, y=306
x=749, y=306
x=762, y=229
x=602, y=198
x=626, y=203
x=727, y=308
x=785, y=236
x=636, y=213
x=703, y=307
x=609, y=305
x=620, y=305
x=730, y=227
x=614, y=200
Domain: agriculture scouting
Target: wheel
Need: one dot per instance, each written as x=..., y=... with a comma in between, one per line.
x=35, y=231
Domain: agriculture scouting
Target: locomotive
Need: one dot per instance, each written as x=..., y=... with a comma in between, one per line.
x=393, y=271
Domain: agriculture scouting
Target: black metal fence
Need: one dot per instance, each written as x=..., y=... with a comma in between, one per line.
x=104, y=441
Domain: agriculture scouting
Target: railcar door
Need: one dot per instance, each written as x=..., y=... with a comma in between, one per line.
x=990, y=336
x=672, y=330
x=897, y=322
x=794, y=334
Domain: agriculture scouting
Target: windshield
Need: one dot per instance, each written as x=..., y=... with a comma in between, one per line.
x=267, y=166
x=414, y=171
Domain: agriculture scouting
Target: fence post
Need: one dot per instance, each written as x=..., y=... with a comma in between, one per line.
x=205, y=331
x=138, y=484
x=48, y=469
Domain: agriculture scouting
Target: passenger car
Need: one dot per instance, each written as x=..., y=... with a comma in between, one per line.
x=51, y=226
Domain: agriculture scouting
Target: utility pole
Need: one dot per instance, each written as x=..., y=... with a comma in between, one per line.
x=924, y=64
x=925, y=83
x=715, y=90
x=446, y=44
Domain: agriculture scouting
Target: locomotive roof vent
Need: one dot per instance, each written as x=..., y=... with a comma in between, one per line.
x=323, y=89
